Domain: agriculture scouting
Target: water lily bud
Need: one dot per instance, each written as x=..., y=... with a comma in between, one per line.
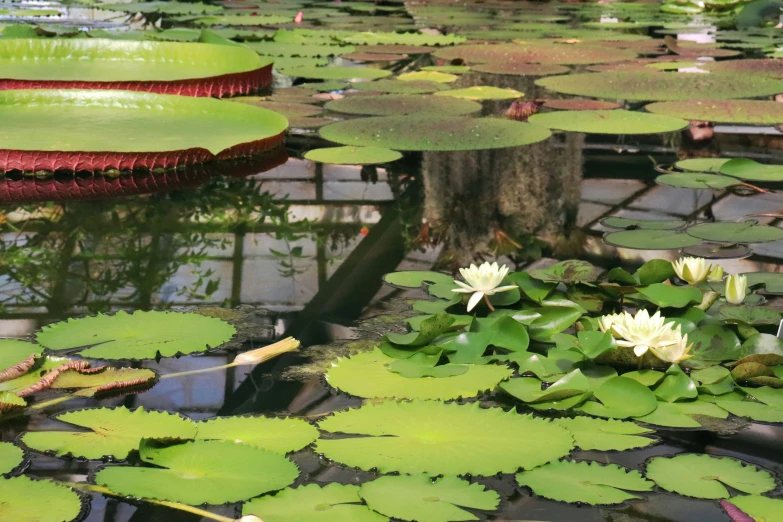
x=267, y=352
x=692, y=270
x=522, y=110
x=716, y=274
x=736, y=287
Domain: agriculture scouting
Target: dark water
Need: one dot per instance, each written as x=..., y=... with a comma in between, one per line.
x=300, y=250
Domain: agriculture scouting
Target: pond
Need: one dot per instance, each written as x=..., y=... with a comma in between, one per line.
x=365, y=261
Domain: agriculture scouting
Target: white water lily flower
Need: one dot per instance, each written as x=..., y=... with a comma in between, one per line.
x=692, y=270
x=674, y=353
x=482, y=280
x=643, y=332
x=736, y=287
x=606, y=323
x=716, y=274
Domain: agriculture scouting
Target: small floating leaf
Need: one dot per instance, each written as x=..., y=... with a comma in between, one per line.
x=651, y=239
x=402, y=105
x=398, y=87
x=273, y=434
x=484, y=92
x=606, y=435
x=568, y=272
x=663, y=295
x=615, y=121
x=330, y=503
x=336, y=73
x=701, y=164
x=23, y=499
x=428, y=76
x=746, y=232
x=755, y=112
x=16, y=357
x=353, y=155
x=621, y=398
x=681, y=414
x=749, y=314
x=760, y=508
x=10, y=458
x=750, y=170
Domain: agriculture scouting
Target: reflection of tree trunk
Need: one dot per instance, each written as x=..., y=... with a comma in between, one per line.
x=522, y=191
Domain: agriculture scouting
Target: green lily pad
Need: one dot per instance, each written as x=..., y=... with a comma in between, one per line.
x=654, y=86
x=617, y=121
x=529, y=390
x=11, y=457
x=330, y=503
x=367, y=375
x=663, y=295
x=574, y=104
x=428, y=76
x=520, y=69
x=141, y=335
x=16, y=357
x=621, y=398
x=403, y=105
x=552, y=320
x=750, y=170
x=762, y=67
x=482, y=92
x=701, y=164
x=114, y=432
x=676, y=386
x=761, y=348
x=449, y=69
x=353, y=155
x=200, y=472
x=606, y=435
x=645, y=224
x=746, y=232
x=429, y=330
x=105, y=380
x=438, y=438
x=23, y=499
x=584, y=482
x=160, y=7
x=752, y=410
x=749, y=314
x=392, y=38
x=10, y=401
x=712, y=344
x=415, y=278
x=336, y=73
x=771, y=281
x=417, y=497
x=242, y=20
x=704, y=476
x=651, y=239
x=398, y=87
x=681, y=414
x=273, y=434
x=648, y=378
x=755, y=112
x=289, y=110
x=535, y=52
x=696, y=180
x=431, y=133
x=568, y=272
x=297, y=49
x=760, y=508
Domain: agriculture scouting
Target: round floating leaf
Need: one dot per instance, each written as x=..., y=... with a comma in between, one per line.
x=750, y=170
x=367, y=375
x=115, y=432
x=616, y=121
x=646, y=224
x=701, y=164
x=746, y=232
x=105, y=380
x=242, y=20
x=585, y=482
x=621, y=398
x=10, y=458
x=353, y=155
x=651, y=239
x=763, y=67
x=520, y=69
x=16, y=357
x=428, y=76
x=438, y=438
x=681, y=414
x=535, y=52
x=398, y=87
x=718, y=251
x=297, y=49
x=760, y=508
x=663, y=295
x=330, y=503
x=141, y=335
x=23, y=499
x=655, y=86
x=696, y=180
x=373, y=57
x=289, y=110
x=336, y=73
x=606, y=435
x=417, y=497
x=201, y=472
x=483, y=92
x=449, y=69
x=749, y=315
x=401, y=105
x=273, y=434
x=752, y=410
x=704, y=476
x=572, y=104
x=415, y=278
x=755, y=112
x=568, y=272
x=712, y=344
x=431, y=133
x=396, y=39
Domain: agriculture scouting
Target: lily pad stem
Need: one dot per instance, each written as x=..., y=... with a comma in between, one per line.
x=708, y=300
x=745, y=330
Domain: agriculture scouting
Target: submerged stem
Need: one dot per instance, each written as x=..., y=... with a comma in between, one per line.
x=708, y=300
x=486, y=300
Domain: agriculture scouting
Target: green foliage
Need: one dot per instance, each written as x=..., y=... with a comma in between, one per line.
x=10, y=457
x=274, y=434
x=23, y=499
x=330, y=503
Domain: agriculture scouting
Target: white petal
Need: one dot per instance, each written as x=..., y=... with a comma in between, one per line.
x=640, y=350
x=463, y=290
x=474, y=300
x=465, y=286
x=504, y=288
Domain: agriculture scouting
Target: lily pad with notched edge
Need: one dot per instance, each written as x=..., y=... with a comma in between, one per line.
x=200, y=472
x=10, y=401
x=91, y=382
x=315, y=503
x=367, y=375
x=482, y=92
x=398, y=87
x=280, y=435
x=23, y=499
x=749, y=314
x=755, y=112
x=140, y=335
x=656, y=86
x=16, y=357
x=617, y=121
x=704, y=476
x=402, y=105
x=114, y=432
x=353, y=155
x=682, y=414
x=289, y=110
x=651, y=239
x=712, y=344
x=584, y=482
x=758, y=507
x=535, y=52
x=606, y=435
x=750, y=170
x=437, y=438
x=336, y=73
x=417, y=497
x=746, y=232
x=753, y=410
x=430, y=133
x=11, y=457
x=415, y=278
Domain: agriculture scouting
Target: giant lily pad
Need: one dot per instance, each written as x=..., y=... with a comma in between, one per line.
x=16, y=357
x=127, y=130
x=763, y=67
x=289, y=50
x=744, y=232
x=398, y=87
x=196, y=69
x=278, y=435
x=756, y=112
x=140, y=335
x=438, y=438
x=654, y=86
x=417, y=497
x=704, y=476
x=401, y=105
x=10, y=458
x=651, y=239
x=520, y=69
x=330, y=503
x=535, y=52
x=759, y=507
x=585, y=482
x=336, y=73
x=23, y=499
x=200, y=472
x=92, y=382
x=431, y=133
x=482, y=92
x=367, y=375
x=243, y=20
x=606, y=435
x=353, y=155
x=114, y=432
x=616, y=121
